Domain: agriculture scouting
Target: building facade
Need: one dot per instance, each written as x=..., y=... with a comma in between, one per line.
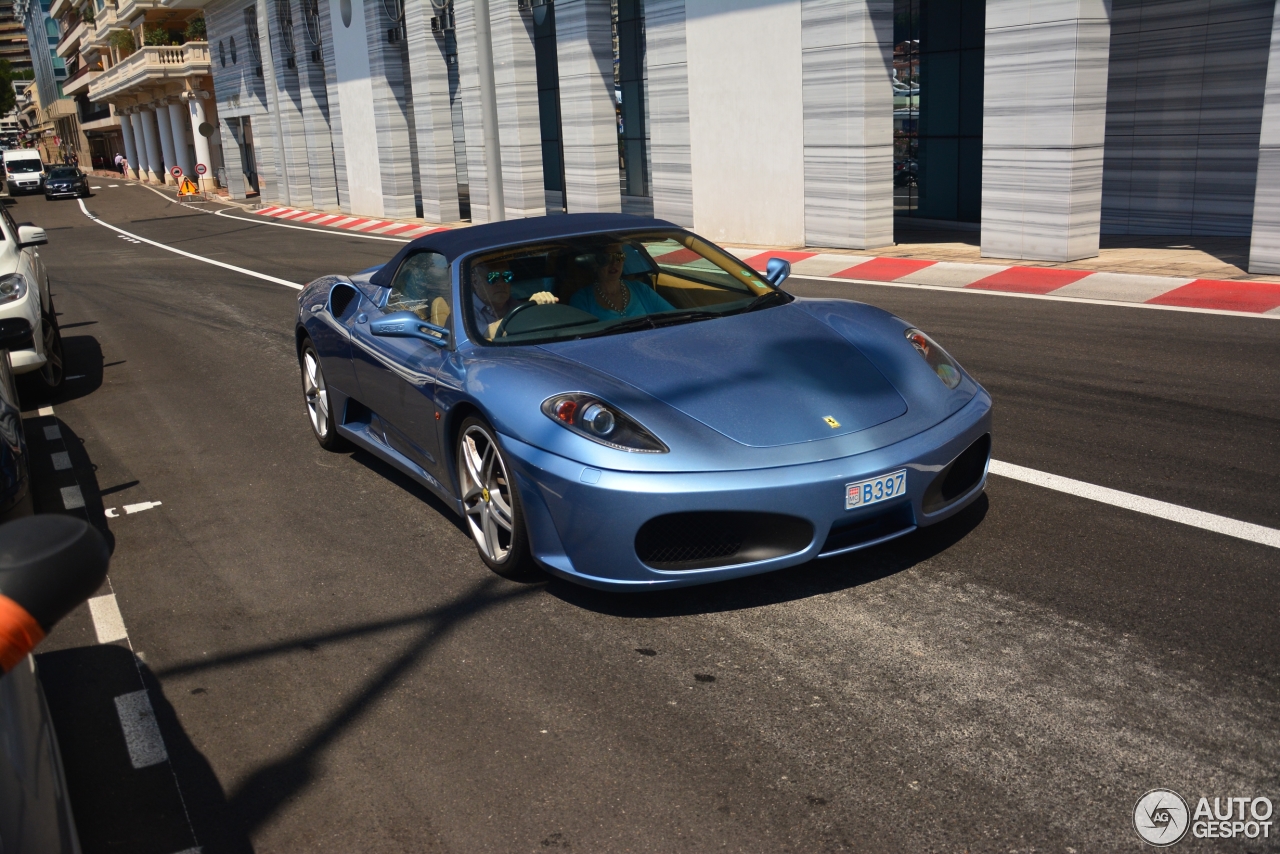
x=826, y=123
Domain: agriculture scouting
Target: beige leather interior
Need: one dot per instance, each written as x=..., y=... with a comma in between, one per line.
x=439, y=312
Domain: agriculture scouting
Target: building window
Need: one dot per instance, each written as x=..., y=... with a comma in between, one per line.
x=284, y=19
x=222, y=53
x=251, y=32
x=628, y=87
x=234, y=58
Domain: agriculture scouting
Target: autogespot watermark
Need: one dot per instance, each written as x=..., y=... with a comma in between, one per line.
x=1162, y=818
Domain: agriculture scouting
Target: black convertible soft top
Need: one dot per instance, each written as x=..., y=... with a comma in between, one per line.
x=457, y=242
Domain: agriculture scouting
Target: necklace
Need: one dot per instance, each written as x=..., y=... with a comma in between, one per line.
x=607, y=303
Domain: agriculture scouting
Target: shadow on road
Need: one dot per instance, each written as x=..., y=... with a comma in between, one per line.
x=253, y=803
x=815, y=578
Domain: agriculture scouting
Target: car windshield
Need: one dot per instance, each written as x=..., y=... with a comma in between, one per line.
x=63, y=172
x=24, y=166
x=605, y=284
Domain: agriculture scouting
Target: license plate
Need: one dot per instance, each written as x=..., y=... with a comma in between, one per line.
x=877, y=489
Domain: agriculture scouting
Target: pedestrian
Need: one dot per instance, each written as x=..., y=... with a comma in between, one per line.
x=119, y=161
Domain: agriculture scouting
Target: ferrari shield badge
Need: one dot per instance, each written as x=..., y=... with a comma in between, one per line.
x=831, y=422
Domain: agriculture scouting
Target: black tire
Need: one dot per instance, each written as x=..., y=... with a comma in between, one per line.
x=54, y=370
x=483, y=503
x=315, y=394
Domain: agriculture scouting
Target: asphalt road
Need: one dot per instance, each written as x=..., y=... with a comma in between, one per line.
x=334, y=669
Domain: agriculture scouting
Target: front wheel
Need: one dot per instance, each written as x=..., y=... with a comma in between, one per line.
x=492, y=503
x=315, y=393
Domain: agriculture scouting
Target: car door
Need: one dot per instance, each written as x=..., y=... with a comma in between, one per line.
x=397, y=376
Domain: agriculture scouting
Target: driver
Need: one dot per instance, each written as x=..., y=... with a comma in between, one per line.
x=491, y=296
x=610, y=296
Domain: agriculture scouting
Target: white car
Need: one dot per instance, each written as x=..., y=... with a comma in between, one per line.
x=24, y=292
x=25, y=170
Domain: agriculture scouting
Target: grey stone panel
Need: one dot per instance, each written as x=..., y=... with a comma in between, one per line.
x=330, y=62
x=240, y=93
x=314, y=100
x=519, y=129
x=433, y=124
x=469, y=92
x=390, y=113
x=275, y=187
x=288, y=100
x=666, y=68
x=588, y=121
x=1044, y=115
x=1264, y=241
x=846, y=61
x=1184, y=111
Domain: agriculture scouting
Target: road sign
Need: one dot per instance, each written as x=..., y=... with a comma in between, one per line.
x=176, y=172
x=201, y=169
x=188, y=188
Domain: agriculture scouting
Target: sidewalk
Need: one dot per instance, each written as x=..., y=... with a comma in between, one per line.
x=1199, y=273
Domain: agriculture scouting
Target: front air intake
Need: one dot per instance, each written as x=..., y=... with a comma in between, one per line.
x=959, y=477
x=707, y=539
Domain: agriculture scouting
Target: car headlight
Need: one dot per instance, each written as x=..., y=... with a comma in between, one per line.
x=601, y=422
x=940, y=360
x=12, y=287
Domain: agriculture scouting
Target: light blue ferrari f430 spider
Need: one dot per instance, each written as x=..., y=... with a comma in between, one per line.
x=628, y=406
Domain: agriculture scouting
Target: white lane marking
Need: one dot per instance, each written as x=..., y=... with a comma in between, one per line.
x=107, y=622
x=1081, y=300
x=74, y=377
x=190, y=255
x=1149, y=506
x=141, y=732
x=61, y=461
x=95, y=188
x=51, y=433
x=45, y=410
x=110, y=186
x=72, y=498
x=138, y=508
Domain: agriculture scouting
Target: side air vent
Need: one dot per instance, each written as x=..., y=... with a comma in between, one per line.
x=703, y=540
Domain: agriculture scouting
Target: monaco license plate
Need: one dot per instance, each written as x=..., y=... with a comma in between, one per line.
x=875, y=490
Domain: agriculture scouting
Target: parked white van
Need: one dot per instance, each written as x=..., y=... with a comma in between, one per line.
x=24, y=170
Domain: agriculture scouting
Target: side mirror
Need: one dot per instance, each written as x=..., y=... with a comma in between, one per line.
x=406, y=324
x=15, y=333
x=31, y=235
x=777, y=271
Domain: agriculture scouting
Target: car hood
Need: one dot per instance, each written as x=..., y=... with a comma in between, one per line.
x=763, y=379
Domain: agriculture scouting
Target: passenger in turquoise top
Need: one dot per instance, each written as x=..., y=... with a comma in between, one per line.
x=611, y=296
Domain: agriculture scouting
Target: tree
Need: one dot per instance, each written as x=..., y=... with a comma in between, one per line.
x=8, y=100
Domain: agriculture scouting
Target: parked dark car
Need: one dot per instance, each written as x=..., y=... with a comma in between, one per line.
x=66, y=181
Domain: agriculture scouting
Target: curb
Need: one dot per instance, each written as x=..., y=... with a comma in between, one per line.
x=1250, y=297
x=365, y=225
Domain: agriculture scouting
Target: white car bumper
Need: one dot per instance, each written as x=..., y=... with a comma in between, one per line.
x=32, y=359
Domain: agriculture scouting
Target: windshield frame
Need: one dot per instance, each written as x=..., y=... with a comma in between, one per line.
x=755, y=285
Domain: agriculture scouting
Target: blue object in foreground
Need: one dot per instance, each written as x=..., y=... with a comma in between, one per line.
x=628, y=406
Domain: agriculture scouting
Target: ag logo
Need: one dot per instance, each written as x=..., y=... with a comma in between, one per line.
x=1160, y=817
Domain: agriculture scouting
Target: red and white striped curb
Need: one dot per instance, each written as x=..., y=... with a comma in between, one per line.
x=1209, y=294
x=365, y=225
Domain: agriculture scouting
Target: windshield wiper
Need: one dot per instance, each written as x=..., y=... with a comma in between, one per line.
x=655, y=321
x=768, y=300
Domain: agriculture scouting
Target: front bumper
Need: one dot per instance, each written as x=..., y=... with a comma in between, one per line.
x=32, y=358
x=583, y=522
x=25, y=186
x=63, y=191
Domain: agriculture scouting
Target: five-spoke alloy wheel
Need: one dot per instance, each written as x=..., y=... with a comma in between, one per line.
x=492, y=502
x=316, y=395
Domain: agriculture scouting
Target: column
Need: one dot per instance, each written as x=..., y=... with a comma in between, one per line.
x=433, y=123
x=390, y=128
x=670, y=170
x=155, y=169
x=519, y=128
x=314, y=103
x=178, y=125
x=1043, y=121
x=588, y=120
x=130, y=149
x=166, y=142
x=846, y=58
x=196, y=117
x=1264, y=243
x=473, y=123
x=293, y=134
